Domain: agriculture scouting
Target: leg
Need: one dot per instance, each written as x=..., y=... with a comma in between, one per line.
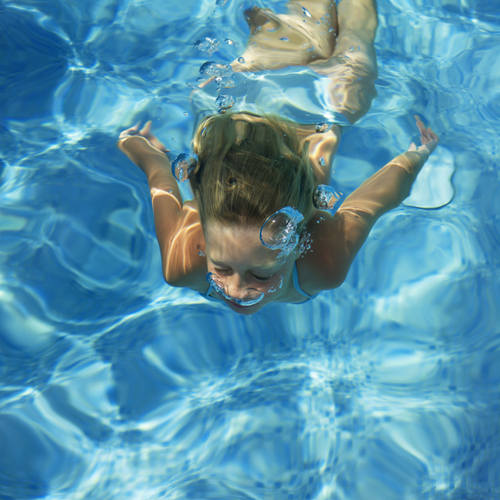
x=335, y=42
x=353, y=68
x=307, y=33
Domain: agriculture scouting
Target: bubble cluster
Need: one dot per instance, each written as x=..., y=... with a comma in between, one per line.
x=326, y=197
x=305, y=243
x=182, y=167
x=221, y=74
x=224, y=102
x=207, y=44
x=213, y=69
x=322, y=127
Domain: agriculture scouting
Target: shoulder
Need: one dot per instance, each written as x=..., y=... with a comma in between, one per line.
x=325, y=265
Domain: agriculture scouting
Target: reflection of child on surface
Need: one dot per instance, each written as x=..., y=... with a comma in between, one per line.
x=253, y=225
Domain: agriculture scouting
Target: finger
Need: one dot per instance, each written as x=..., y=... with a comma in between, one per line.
x=418, y=120
x=420, y=125
x=432, y=135
x=127, y=132
x=428, y=132
x=146, y=130
x=425, y=135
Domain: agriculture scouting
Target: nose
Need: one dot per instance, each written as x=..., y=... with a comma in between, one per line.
x=238, y=289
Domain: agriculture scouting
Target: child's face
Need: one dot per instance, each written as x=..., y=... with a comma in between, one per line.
x=243, y=269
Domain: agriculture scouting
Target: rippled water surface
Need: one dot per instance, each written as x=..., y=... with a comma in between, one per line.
x=115, y=386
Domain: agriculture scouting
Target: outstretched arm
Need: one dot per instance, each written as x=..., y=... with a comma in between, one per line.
x=337, y=239
x=388, y=187
x=177, y=225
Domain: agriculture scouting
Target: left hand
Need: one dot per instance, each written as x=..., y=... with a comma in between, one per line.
x=428, y=138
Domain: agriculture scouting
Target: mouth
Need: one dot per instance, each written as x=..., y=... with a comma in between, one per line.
x=238, y=304
x=240, y=308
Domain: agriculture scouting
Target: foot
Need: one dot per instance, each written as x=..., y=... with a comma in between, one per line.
x=276, y=41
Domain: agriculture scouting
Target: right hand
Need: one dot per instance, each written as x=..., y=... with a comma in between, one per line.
x=428, y=138
x=140, y=144
x=143, y=133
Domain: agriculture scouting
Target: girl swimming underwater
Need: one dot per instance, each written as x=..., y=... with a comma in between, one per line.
x=257, y=230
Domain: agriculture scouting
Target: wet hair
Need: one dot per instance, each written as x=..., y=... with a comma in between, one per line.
x=248, y=167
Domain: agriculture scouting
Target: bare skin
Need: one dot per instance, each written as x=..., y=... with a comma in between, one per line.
x=235, y=254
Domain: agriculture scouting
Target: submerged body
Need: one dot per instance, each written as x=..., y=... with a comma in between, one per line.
x=225, y=244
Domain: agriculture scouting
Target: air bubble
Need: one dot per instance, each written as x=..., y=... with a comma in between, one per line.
x=280, y=230
x=322, y=162
x=284, y=39
x=224, y=102
x=306, y=12
x=276, y=288
x=225, y=83
x=321, y=127
x=211, y=68
x=207, y=44
x=182, y=167
x=241, y=59
x=327, y=198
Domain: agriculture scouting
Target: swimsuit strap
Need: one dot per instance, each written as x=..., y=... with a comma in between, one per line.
x=296, y=284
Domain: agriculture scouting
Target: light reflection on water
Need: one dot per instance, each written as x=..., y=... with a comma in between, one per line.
x=114, y=385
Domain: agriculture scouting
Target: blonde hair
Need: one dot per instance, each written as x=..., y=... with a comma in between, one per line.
x=248, y=167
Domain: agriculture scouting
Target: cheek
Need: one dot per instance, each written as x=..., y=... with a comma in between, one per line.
x=272, y=286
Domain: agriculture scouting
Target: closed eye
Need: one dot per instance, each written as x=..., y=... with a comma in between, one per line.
x=261, y=278
x=224, y=272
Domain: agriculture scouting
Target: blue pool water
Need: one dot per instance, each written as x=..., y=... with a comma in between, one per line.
x=115, y=386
